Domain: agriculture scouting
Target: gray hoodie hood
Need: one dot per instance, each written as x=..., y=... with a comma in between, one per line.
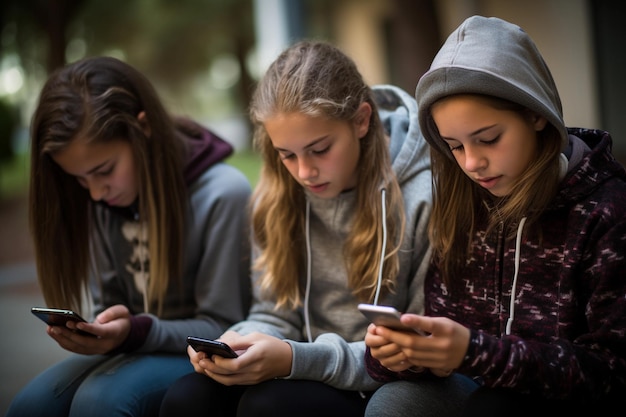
x=493, y=57
x=397, y=110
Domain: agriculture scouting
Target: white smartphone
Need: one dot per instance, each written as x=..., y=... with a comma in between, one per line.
x=386, y=316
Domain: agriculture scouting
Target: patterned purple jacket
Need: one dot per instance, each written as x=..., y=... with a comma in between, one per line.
x=568, y=337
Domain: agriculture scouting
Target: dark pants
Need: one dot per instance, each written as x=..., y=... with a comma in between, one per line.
x=198, y=395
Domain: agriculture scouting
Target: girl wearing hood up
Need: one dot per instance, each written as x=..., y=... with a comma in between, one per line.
x=526, y=294
x=339, y=217
x=135, y=215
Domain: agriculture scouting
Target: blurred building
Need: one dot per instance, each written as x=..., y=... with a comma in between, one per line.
x=204, y=56
x=394, y=41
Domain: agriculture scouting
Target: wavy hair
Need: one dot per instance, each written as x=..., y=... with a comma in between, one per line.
x=459, y=203
x=98, y=100
x=317, y=79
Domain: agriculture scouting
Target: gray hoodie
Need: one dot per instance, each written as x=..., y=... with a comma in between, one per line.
x=330, y=318
x=499, y=60
x=214, y=289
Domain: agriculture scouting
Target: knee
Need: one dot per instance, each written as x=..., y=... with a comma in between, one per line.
x=189, y=395
x=255, y=405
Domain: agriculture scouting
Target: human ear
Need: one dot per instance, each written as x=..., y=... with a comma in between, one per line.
x=539, y=122
x=362, y=119
x=143, y=121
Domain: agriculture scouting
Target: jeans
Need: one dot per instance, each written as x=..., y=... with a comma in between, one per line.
x=430, y=396
x=98, y=385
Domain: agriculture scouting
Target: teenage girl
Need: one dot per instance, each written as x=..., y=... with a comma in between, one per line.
x=339, y=217
x=526, y=296
x=136, y=217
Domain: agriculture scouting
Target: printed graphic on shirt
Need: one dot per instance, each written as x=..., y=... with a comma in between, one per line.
x=137, y=235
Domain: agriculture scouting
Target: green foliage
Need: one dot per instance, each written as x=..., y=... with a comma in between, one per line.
x=14, y=176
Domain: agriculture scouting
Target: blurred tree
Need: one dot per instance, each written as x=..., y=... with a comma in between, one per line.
x=8, y=123
x=172, y=38
x=43, y=20
x=174, y=42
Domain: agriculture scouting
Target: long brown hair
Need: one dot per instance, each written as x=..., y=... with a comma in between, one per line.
x=99, y=99
x=459, y=203
x=317, y=79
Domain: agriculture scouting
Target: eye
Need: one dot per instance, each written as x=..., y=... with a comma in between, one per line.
x=491, y=141
x=321, y=151
x=454, y=145
x=82, y=182
x=285, y=156
x=105, y=172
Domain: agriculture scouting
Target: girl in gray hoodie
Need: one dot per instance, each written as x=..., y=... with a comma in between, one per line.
x=339, y=218
x=135, y=214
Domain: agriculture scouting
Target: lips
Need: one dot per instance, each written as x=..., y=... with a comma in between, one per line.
x=112, y=201
x=488, y=182
x=317, y=188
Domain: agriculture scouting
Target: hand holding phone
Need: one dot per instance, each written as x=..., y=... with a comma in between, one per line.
x=386, y=316
x=211, y=347
x=58, y=317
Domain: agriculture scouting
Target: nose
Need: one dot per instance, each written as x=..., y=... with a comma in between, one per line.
x=307, y=168
x=474, y=159
x=98, y=189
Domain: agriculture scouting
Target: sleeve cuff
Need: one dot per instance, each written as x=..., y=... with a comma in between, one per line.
x=139, y=329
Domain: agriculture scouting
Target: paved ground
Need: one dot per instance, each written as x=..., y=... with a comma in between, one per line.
x=26, y=349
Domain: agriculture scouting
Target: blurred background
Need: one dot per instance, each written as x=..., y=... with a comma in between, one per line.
x=205, y=56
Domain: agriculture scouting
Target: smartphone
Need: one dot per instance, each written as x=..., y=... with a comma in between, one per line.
x=211, y=347
x=386, y=316
x=58, y=317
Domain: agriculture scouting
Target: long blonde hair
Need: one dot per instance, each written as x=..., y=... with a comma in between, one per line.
x=99, y=99
x=317, y=79
x=459, y=203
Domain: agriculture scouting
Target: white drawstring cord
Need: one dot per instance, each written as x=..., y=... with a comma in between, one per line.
x=308, y=275
x=382, y=254
x=518, y=242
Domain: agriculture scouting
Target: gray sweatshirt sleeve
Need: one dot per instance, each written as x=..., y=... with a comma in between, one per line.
x=332, y=360
x=217, y=276
x=329, y=359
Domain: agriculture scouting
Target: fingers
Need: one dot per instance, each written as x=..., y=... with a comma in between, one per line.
x=442, y=373
x=395, y=362
x=112, y=313
x=74, y=342
x=421, y=324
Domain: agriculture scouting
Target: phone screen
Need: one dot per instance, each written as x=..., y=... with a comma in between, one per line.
x=386, y=316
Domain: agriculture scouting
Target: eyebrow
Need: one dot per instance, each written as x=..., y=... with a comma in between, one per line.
x=474, y=133
x=482, y=129
x=97, y=167
x=315, y=142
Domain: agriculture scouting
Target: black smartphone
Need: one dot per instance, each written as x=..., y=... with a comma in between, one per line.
x=211, y=347
x=386, y=316
x=58, y=317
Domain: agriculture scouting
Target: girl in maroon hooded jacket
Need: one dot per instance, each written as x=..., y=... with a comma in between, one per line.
x=526, y=294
